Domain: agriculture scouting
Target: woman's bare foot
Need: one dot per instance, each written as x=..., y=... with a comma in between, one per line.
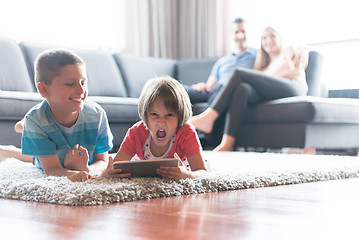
x=204, y=121
x=227, y=144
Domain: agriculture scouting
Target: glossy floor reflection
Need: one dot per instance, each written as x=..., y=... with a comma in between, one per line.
x=322, y=210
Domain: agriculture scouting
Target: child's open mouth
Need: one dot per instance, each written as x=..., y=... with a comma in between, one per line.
x=161, y=134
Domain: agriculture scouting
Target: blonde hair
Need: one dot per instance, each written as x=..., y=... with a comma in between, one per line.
x=173, y=95
x=262, y=59
x=49, y=63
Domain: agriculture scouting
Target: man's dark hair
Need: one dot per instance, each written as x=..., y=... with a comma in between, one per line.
x=238, y=20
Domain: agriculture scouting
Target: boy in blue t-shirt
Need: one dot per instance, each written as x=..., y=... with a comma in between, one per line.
x=66, y=135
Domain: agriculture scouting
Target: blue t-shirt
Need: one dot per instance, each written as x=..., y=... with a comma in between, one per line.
x=223, y=68
x=43, y=136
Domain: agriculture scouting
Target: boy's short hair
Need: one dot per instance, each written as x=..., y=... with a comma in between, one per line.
x=49, y=63
x=173, y=94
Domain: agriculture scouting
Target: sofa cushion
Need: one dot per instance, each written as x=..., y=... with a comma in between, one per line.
x=194, y=70
x=305, y=109
x=137, y=70
x=120, y=110
x=102, y=72
x=14, y=75
x=20, y=103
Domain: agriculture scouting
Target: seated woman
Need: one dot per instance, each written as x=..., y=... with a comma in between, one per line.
x=278, y=73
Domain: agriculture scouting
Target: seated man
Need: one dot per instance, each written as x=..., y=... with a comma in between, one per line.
x=224, y=67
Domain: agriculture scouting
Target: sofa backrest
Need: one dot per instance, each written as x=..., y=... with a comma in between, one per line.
x=194, y=70
x=313, y=74
x=136, y=71
x=104, y=78
x=190, y=71
x=121, y=75
x=13, y=71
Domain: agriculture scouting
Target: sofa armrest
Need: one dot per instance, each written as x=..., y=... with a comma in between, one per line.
x=313, y=74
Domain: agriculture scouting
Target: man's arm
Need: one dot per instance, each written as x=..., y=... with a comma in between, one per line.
x=211, y=82
x=212, y=79
x=205, y=86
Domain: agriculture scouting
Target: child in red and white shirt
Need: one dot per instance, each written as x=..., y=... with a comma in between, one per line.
x=164, y=108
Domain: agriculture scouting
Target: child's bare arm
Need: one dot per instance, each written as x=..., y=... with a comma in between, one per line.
x=197, y=165
x=52, y=166
x=116, y=173
x=122, y=156
x=99, y=162
x=111, y=172
x=77, y=159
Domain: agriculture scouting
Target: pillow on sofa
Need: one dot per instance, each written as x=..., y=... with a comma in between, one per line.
x=137, y=70
x=103, y=74
x=14, y=75
x=194, y=70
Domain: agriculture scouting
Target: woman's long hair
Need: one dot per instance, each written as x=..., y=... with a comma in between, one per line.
x=262, y=58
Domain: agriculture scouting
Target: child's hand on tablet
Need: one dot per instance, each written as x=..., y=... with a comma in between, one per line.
x=111, y=172
x=175, y=173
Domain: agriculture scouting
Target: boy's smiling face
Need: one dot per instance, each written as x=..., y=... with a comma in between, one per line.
x=67, y=93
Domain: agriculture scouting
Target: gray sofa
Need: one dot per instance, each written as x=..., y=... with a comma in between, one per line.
x=116, y=80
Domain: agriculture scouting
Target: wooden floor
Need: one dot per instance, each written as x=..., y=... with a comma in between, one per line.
x=322, y=210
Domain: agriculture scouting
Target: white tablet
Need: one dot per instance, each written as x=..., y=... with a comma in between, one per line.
x=144, y=168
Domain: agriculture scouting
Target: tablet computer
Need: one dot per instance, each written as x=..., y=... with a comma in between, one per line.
x=145, y=168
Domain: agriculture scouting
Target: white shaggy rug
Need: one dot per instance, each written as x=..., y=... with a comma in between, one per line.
x=230, y=170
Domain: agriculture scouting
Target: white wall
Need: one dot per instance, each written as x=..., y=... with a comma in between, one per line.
x=99, y=24
x=77, y=23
